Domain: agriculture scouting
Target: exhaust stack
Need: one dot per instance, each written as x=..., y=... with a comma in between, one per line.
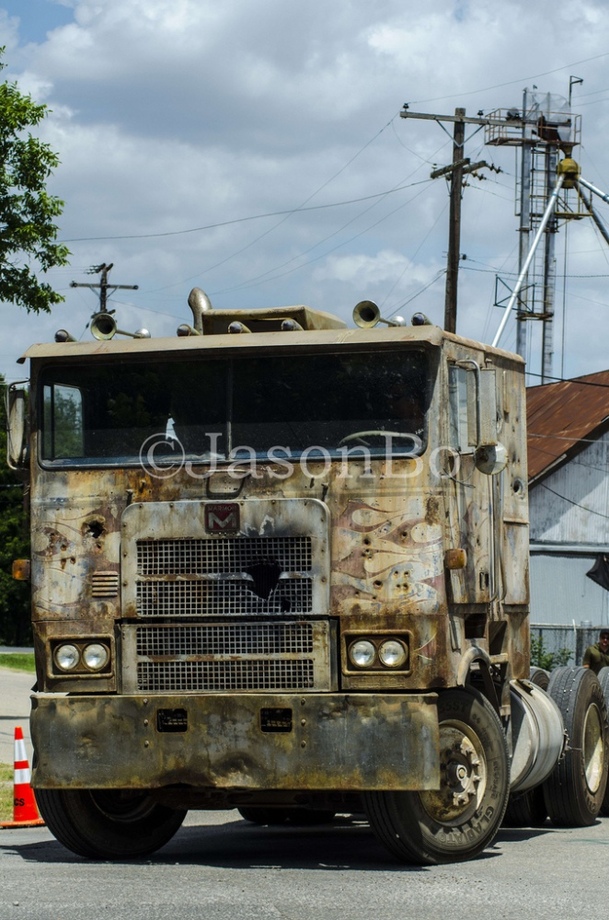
x=199, y=303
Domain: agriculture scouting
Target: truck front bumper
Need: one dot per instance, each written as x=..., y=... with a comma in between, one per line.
x=348, y=742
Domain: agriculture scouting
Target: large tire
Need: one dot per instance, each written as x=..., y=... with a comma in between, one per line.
x=461, y=818
x=107, y=824
x=575, y=790
x=603, y=679
x=539, y=677
x=301, y=817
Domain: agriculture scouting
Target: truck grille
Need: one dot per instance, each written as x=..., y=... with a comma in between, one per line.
x=239, y=575
x=225, y=675
x=224, y=556
x=210, y=611
x=225, y=657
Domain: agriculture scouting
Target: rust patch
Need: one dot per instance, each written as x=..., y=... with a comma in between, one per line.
x=432, y=515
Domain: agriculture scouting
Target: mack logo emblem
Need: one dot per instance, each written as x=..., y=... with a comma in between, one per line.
x=222, y=517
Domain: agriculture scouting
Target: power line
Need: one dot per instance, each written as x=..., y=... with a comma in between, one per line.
x=535, y=76
x=578, y=380
x=571, y=502
x=241, y=220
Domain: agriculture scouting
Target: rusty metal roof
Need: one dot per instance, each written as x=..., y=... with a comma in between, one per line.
x=562, y=416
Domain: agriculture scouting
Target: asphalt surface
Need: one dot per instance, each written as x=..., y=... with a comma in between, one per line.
x=220, y=867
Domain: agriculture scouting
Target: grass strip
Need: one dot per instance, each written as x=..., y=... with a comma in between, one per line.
x=6, y=792
x=18, y=661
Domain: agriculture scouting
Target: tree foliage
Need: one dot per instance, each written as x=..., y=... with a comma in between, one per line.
x=542, y=658
x=28, y=234
x=15, y=626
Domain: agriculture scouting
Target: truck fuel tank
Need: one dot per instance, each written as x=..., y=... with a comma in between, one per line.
x=538, y=735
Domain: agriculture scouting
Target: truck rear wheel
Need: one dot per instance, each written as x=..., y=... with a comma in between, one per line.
x=539, y=677
x=107, y=823
x=575, y=790
x=603, y=679
x=457, y=821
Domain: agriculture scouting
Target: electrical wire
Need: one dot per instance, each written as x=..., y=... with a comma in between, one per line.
x=570, y=501
x=241, y=220
x=520, y=80
x=327, y=252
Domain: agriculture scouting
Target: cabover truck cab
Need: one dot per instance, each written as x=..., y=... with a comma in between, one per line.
x=281, y=565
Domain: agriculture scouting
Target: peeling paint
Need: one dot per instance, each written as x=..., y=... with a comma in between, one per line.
x=242, y=633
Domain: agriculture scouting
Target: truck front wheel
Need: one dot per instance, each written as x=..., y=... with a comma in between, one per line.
x=107, y=823
x=458, y=820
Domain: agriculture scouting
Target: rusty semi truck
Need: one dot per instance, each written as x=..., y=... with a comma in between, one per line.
x=281, y=565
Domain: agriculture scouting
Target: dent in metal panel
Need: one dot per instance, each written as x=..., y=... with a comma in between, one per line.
x=75, y=548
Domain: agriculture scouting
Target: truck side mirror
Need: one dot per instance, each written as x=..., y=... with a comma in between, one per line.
x=16, y=427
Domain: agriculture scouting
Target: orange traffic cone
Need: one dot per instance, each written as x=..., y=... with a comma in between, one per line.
x=25, y=811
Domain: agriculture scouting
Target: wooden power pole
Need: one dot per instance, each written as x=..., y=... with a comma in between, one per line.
x=454, y=224
x=459, y=167
x=104, y=286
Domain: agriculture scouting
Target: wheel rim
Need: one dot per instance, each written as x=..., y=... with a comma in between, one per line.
x=593, y=752
x=463, y=775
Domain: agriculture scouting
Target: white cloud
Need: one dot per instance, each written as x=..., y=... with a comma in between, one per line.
x=170, y=115
x=9, y=30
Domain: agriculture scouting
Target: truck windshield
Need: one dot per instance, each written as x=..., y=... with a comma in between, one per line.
x=106, y=413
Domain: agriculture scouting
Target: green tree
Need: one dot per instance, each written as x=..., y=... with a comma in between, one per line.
x=15, y=628
x=28, y=234
x=542, y=658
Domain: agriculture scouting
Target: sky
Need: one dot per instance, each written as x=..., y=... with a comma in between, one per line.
x=257, y=150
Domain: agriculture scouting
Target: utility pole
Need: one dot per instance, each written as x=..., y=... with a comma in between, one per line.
x=103, y=285
x=454, y=225
x=459, y=167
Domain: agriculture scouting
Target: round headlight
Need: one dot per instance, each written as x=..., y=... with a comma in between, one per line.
x=66, y=657
x=96, y=656
x=362, y=653
x=392, y=653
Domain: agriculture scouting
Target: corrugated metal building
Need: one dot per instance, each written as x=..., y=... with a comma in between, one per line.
x=568, y=450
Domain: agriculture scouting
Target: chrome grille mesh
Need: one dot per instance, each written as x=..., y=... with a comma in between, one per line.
x=230, y=639
x=207, y=611
x=225, y=556
x=173, y=676
x=200, y=598
x=185, y=578
x=224, y=657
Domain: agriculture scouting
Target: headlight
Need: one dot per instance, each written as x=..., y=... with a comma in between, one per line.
x=66, y=657
x=82, y=657
x=362, y=653
x=380, y=652
x=392, y=653
x=96, y=656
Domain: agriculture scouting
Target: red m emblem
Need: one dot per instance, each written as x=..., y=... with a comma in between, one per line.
x=222, y=517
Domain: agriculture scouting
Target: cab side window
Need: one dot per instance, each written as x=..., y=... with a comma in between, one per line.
x=462, y=403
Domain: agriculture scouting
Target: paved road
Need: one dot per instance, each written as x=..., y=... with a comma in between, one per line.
x=15, y=687
x=219, y=867
x=222, y=868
